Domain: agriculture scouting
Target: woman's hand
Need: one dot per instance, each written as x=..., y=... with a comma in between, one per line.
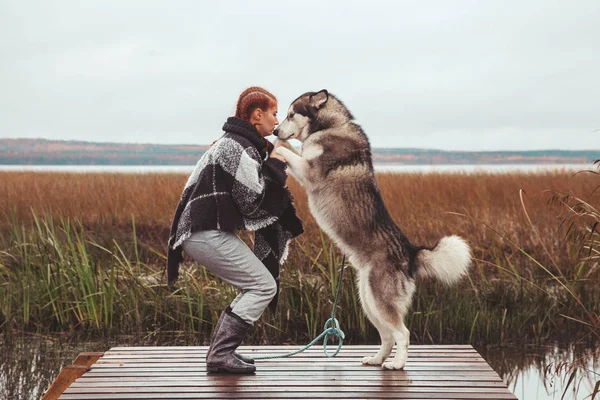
x=286, y=144
x=275, y=154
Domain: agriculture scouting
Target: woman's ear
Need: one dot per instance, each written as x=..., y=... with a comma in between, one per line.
x=257, y=114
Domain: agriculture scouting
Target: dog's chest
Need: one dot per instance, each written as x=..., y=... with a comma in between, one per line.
x=318, y=208
x=330, y=213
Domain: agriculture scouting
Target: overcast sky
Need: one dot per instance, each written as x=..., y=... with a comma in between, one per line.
x=454, y=75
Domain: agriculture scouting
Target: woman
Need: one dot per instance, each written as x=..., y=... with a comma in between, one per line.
x=238, y=183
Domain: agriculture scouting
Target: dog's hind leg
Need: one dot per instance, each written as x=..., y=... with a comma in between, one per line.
x=387, y=338
x=402, y=338
x=387, y=344
x=391, y=295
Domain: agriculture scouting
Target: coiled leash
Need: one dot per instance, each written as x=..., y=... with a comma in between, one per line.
x=331, y=328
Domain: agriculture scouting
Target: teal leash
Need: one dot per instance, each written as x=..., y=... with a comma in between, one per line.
x=331, y=328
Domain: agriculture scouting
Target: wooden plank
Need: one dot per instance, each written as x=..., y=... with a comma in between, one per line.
x=176, y=385
x=288, y=389
x=69, y=374
x=188, y=363
x=340, y=356
x=341, y=371
x=348, y=374
x=273, y=377
x=294, y=359
x=87, y=358
x=274, y=347
x=316, y=347
x=314, y=350
x=318, y=354
x=328, y=369
x=290, y=395
x=284, y=365
x=308, y=364
x=302, y=356
x=65, y=378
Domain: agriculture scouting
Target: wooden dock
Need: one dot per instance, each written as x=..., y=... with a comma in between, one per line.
x=432, y=372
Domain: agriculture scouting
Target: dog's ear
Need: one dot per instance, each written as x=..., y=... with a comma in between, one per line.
x=319, y=99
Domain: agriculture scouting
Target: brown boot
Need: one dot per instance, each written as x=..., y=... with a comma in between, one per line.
x=235, y=353
x=220, y=358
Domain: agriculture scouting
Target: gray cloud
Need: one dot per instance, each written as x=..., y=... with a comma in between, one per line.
x=464, y=75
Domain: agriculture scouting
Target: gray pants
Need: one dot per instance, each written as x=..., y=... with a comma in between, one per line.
x=228, y=257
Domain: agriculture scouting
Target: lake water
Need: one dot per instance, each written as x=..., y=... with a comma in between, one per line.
x=29, y=364
x=186, y=169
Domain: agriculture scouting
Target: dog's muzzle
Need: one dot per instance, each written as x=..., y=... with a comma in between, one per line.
x=276, y=132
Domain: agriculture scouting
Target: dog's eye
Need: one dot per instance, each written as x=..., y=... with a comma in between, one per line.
x=291, y=115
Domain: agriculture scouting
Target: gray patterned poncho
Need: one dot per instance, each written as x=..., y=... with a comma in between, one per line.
x=236, y=185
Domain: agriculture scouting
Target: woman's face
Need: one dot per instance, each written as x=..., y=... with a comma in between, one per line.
x=267, y=121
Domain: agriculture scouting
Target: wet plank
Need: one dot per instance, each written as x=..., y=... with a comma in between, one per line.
x=431, y=372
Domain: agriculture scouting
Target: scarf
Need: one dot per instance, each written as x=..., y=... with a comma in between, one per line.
x=234, y=185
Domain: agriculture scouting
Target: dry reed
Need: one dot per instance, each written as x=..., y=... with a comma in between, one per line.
x=133, y=212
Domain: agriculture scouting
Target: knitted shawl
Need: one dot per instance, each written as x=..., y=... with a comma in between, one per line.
x=236, y=185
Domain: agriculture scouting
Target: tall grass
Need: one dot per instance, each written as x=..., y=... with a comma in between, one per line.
x=86, y=253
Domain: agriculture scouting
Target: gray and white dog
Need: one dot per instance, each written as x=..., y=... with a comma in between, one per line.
x=336, y=169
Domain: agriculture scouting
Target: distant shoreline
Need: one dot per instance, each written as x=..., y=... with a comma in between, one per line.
x=41, y=152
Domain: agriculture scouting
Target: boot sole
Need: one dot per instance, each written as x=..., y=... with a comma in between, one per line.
x=223, y=370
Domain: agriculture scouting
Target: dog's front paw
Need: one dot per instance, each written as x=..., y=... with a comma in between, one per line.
x=282, y=143
x=372, y=361
x=393, y=365
x=279, y=143
x=280, y=152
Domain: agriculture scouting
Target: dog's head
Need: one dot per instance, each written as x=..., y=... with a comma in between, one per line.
x=312, y=112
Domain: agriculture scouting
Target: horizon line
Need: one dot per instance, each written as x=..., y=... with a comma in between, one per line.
x=372, y=147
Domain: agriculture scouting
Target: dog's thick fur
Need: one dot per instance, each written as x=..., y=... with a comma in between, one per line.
x=336, y=169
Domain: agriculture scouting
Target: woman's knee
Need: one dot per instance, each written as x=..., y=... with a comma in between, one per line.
x=270, y=288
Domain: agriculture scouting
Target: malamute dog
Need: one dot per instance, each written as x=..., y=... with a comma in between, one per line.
x=336, y=169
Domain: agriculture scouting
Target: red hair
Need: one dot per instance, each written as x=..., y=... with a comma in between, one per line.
x=252, y=98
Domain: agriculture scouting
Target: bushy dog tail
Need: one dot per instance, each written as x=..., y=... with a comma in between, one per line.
x=448, y=261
